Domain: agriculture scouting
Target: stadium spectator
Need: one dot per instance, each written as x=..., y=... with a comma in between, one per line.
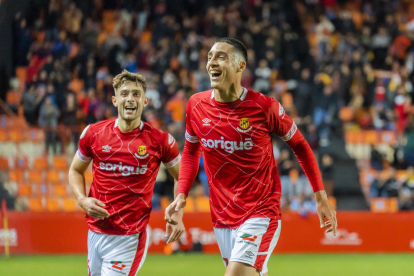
x=31, y=100
x=48, y=120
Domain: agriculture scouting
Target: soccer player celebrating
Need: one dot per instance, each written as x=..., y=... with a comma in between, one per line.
x=126, y=156
x=233, y=127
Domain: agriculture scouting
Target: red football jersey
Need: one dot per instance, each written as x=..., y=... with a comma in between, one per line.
x=124, y=169
x=238, y=155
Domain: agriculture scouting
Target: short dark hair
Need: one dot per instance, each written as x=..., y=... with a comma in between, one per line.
x=237, y=44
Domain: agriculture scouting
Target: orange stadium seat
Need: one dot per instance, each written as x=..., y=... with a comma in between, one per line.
x=60, y=190
x=4, y=163
x=52, y=204
x=13, y=98
x=382, y=205
x=346, y=114
x=36, y=204
x=190, y=205
x=41, y=189
x=3, y=136
x=379, y=205
x=388, y=137
x=21, y=162
x=16, y=135
x=88, y=177
x=60, y=162
x=18, y=121
x=53, y=177
x=366, y=177
x=16, y=175
x=69, y=204
x=35, y=135
x=371, y=137
x=24, y=189
x=203, y=204
x=332, y=201
x=164, y=202
x=36, y=176
x=4, y=121
x=40, y=163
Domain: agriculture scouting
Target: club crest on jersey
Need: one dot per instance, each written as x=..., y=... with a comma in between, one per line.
x=142, y=152
x=244, y=125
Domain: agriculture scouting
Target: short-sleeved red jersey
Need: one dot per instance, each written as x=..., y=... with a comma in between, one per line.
x=124, y=169
x=238, y=155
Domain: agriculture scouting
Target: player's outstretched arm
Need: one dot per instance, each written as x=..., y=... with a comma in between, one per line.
x=92, y=206
x=175, y=230
x=188, y=171
x=307, y=161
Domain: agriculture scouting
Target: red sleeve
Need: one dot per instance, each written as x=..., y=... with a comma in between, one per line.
x=307, y=160
x=281, y=124
x=171, y=156
x=191, y=157
x=84, y=151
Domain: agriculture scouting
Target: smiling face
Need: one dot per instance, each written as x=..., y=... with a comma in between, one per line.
x=130, y=100
x=222, y=66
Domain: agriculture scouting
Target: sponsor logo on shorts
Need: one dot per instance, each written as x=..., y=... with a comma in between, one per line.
x=118, y=265
x=244, y=125
x=248, y=237
x=249, y=254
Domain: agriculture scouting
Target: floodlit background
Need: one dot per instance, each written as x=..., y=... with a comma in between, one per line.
x=344, y=70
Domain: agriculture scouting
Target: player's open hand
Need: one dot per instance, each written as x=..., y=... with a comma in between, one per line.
x=174, y=207
x=174, y=232
x=93, y=207
x=325, y=210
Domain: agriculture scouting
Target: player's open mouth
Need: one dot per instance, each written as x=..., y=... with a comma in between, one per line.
x=215, y=74
x=130, y=109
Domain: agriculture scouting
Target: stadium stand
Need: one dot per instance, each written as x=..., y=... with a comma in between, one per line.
x=344, y=72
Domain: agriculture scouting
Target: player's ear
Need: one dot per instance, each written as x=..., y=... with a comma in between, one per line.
x=146, y=101
x=241, y=66
x=114, y=102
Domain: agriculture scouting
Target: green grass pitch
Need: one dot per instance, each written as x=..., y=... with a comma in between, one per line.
x=203, y=264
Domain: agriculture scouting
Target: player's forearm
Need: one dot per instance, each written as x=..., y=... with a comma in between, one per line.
x=307, y=160
x=76, y=182
x=188, y=167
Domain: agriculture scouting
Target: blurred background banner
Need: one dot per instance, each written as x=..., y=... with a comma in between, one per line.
x=64, y=233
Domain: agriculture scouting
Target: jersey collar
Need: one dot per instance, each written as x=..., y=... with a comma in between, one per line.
x=242, y=97
x=140, y=126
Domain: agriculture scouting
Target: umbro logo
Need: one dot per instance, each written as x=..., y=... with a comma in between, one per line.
x=206, y=122
x=106, y=148
x=249, y=254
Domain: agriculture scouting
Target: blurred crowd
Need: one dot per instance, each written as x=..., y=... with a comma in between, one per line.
x=314, y=56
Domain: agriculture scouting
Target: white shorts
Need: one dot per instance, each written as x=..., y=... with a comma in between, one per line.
x=116, y=255
x=252, y=243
